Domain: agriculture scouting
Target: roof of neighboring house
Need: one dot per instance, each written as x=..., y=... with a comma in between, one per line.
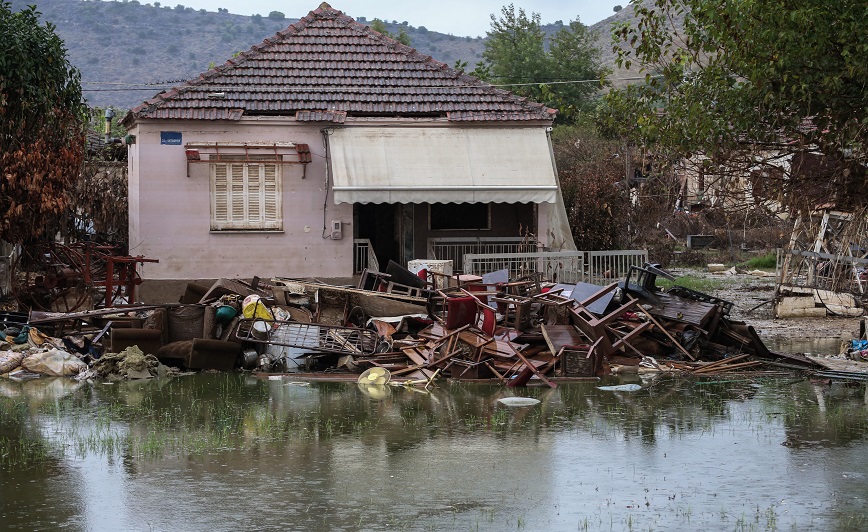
x=326, y=67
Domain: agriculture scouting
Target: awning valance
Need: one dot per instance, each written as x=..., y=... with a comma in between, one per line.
x=441, y=165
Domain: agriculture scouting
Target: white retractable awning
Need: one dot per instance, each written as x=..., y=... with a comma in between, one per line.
x=441, y=165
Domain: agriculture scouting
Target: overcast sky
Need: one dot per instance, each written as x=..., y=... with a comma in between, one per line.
x=458, y=17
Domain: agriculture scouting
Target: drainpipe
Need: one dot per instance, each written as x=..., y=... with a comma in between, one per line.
x=109, y=115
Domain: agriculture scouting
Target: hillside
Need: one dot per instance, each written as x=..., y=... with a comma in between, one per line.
x=618, y=76
x=129, y=51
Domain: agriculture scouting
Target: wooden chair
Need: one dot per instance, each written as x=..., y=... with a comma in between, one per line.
x=606, y=341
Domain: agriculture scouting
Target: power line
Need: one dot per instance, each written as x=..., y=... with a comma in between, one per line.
x=216, y=88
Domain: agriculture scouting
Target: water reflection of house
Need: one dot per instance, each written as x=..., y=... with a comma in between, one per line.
x=327, y=137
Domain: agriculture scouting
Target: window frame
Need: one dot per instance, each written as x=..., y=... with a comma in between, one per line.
x=265, y=214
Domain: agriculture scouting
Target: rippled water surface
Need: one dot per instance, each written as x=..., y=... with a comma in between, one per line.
x=233, y=452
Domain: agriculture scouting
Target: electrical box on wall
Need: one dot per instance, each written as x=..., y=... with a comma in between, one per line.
x=337, y=230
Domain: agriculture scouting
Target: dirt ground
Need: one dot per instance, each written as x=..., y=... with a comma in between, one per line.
x=747, y=291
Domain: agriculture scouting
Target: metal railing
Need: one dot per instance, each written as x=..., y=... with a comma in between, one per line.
x=364, y=256
x=603, y=267
x=571, y=267
x=455, y=248
x=559, y=266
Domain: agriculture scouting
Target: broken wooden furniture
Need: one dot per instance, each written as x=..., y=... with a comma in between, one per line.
x=333, y=304
x=606, y=339
x=375, y=281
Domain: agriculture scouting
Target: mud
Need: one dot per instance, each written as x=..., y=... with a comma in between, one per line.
x=751, y=295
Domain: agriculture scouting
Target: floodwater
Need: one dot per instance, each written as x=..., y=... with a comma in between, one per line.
x=233, y=452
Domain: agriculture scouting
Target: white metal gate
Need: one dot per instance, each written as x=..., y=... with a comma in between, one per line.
x=596, y=267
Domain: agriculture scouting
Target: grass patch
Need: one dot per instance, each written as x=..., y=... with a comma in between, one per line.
x=763, y=262
x=700, y=284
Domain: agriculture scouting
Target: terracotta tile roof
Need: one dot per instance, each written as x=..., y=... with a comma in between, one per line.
x=326, y=67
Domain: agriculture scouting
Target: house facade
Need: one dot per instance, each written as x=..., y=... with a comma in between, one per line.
x=281, y=161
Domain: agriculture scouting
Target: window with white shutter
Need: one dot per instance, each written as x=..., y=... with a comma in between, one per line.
x=245, y=195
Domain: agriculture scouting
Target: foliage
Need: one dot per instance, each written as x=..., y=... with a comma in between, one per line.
x=380, y=27
x=588, y=173
x=276, y=15
x=552, y=71
x=763, y=72
x=42, y=127
x=102, y=215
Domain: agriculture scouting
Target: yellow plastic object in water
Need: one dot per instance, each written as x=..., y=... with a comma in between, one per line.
x=375, y=376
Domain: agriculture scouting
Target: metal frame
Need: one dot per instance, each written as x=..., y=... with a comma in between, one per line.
x=313, y=336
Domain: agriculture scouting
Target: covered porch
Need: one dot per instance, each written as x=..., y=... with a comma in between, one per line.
x=439, y=192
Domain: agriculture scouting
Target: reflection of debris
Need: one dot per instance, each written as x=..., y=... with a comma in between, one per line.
x=394, y=330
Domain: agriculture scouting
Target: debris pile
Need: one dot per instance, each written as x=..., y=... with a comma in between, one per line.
x=403, y=328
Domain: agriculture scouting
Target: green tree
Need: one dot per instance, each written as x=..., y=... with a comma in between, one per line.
x=515, y=53
x=43, y=125
x=564, y=76
x=575, y=58
x=745, y=71
x=276, y=15
x=380, y=27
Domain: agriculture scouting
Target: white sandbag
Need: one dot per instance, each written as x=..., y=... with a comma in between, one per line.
x=54, y=363
x=9, y=360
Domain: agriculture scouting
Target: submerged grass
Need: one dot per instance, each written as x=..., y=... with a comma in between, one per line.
x=184, y=420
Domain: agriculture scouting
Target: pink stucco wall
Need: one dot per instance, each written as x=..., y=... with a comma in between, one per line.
x=170, y=212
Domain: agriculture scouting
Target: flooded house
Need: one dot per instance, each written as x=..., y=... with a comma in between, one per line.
x=329, y=147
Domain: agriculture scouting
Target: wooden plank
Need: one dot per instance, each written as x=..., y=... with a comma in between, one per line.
x=721, y=369
x=679, y=309
x=663, y=329
x=624, y=340
x=534, y=369
x=560, y=335
x=416, y=355
x=723, y=361
x=547, y=339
